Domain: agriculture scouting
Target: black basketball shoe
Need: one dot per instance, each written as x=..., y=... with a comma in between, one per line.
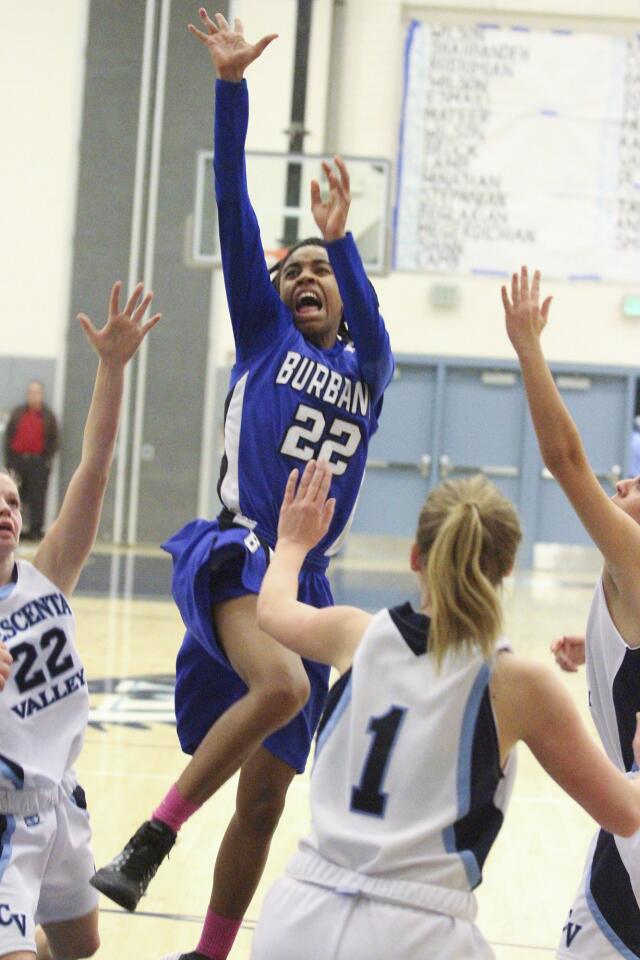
x=126, y=878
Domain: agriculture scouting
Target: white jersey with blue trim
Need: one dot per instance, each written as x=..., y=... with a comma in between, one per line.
x=44, y=707
x=613, y=677
x=612, y=876
x=407, y=782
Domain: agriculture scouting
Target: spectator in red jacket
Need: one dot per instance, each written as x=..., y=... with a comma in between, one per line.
x=30, y=441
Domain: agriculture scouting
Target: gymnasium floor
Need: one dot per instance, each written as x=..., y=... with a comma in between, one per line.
x=128, y=635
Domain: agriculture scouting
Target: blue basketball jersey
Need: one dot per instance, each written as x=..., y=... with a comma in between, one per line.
x=289, y=400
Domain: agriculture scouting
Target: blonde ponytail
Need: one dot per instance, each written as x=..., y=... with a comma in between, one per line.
x=467, y=537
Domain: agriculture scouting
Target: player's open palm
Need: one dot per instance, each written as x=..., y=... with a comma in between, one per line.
x=124, y=330
x=525, y=318
x=305, y=514
x=5, y=665
x=230, y=53
x=330, y=213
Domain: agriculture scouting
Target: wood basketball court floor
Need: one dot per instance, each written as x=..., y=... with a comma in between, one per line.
x=128, y=634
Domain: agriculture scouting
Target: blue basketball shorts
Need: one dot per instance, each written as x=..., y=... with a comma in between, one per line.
x=214, y=560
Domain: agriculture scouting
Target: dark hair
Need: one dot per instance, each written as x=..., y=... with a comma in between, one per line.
x=276, y=270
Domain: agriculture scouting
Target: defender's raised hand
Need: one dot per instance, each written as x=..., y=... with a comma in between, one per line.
x=525, y=318
x=230, y=53
x=305, y=514
x=124, y=331
x=331, y=214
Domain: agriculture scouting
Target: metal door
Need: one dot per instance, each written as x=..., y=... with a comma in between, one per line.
x=599, y=405
x=482, y=428
x=400, y=455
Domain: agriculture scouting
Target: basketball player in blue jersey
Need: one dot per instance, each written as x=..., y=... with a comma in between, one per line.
x=47, y=907
x=414, y=761
x=604, y=921
x=300, y=389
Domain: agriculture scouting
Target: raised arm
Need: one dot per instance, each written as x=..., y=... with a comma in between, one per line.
x=533, y=705
x=68, y=542
x=615, y=533
x=327, y=636
x=253, y=303
x=366, y=326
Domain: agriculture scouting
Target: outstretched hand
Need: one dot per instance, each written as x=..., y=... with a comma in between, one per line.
x=230, y=53
x=5, y=665
x=124, y=331
x=331, y=214
x=306, y=513
x=524, y=316
x=569, y=653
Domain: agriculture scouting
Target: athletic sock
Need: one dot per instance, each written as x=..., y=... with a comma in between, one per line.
x=218, y=935
x=174, y=809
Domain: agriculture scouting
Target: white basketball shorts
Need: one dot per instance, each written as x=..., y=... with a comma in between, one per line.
x=45, y=866
x=303, y=921
x=604, y=920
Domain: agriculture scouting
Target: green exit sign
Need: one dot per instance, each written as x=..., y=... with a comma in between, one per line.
x=631, y=305
x=444, y=296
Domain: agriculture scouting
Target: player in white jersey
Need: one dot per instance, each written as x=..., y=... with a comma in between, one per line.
x=414, y=760
x=604, y=921
x=47, y=907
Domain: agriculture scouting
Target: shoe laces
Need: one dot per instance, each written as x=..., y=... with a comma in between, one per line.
x=143, y=854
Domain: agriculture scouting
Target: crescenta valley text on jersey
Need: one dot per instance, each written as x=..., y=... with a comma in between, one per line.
x=44, y=707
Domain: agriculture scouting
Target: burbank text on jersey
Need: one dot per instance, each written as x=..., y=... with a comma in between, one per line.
x=316, y=379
